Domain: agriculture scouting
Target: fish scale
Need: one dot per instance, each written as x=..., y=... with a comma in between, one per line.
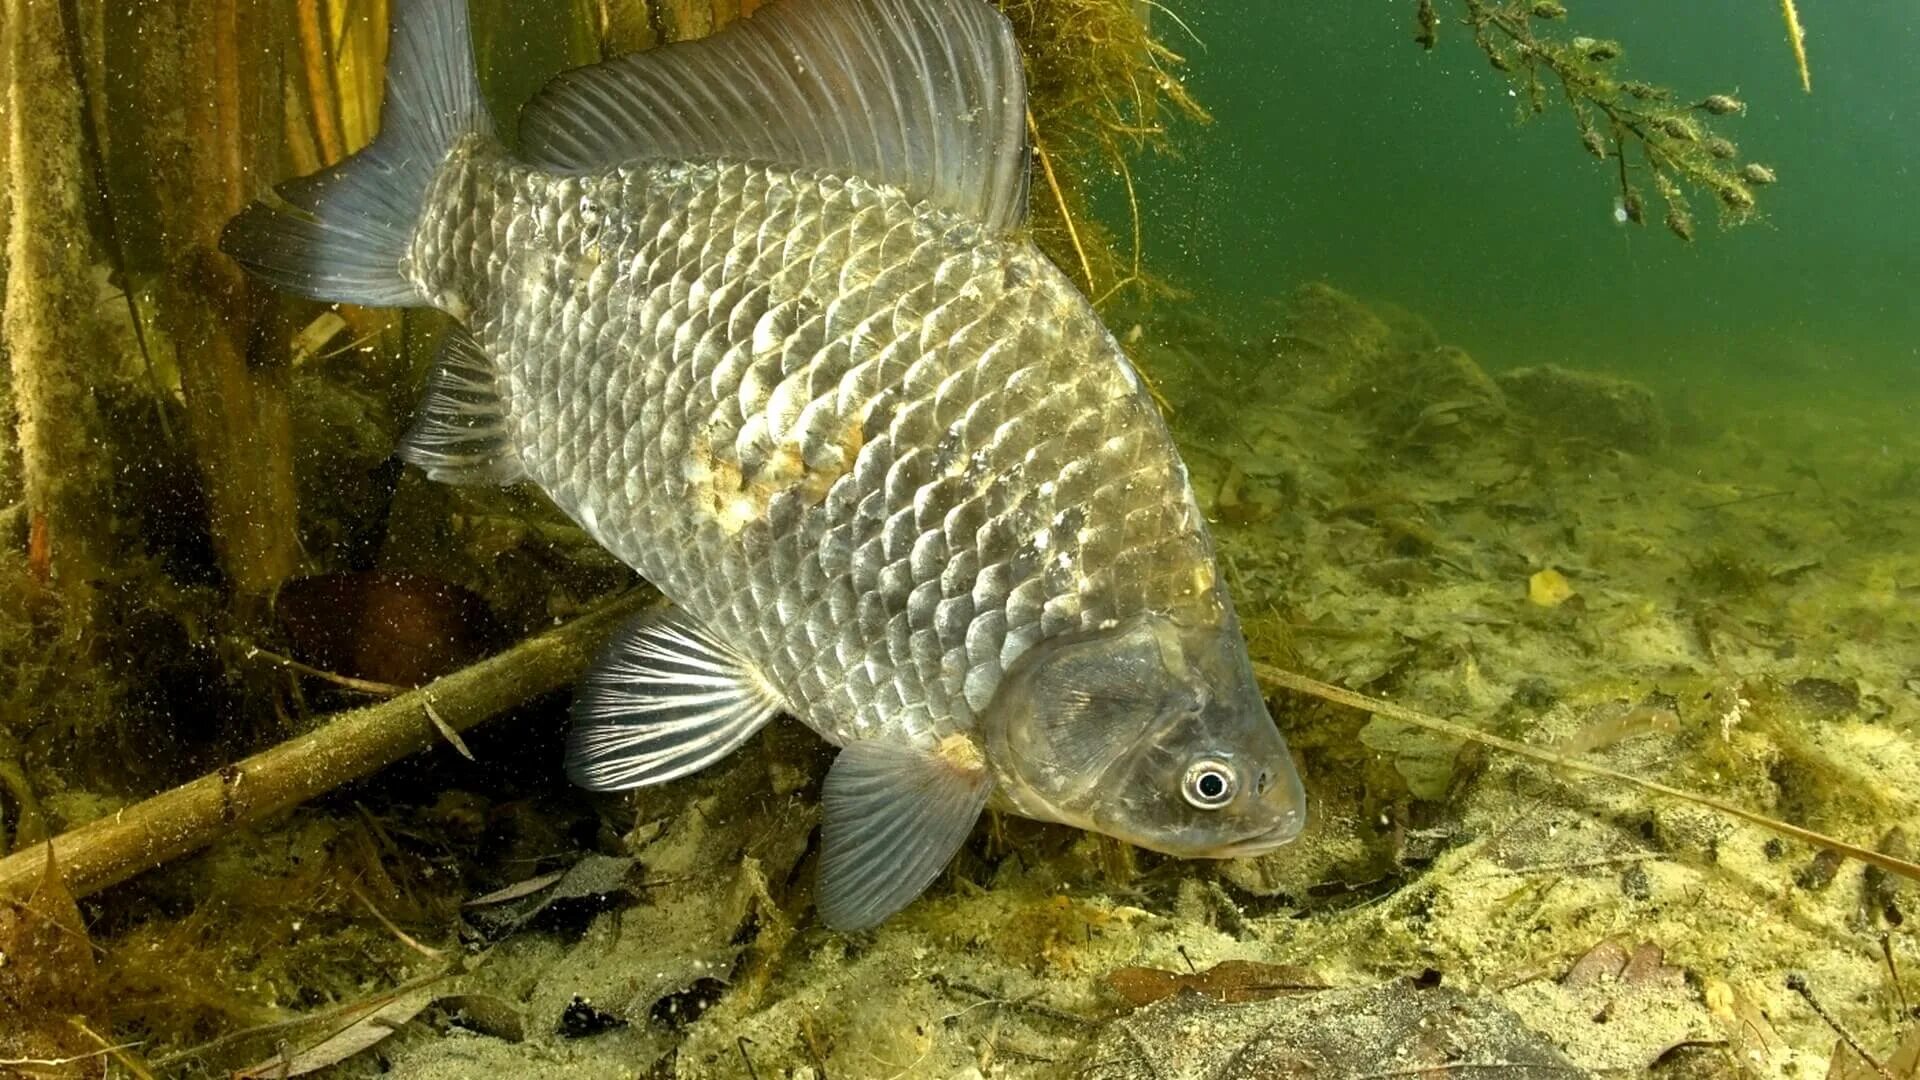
x=765, y=324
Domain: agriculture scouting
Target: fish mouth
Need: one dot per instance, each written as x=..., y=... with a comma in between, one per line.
x=1273, y=839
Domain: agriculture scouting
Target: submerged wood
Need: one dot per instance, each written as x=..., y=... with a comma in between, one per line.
x=347, y=747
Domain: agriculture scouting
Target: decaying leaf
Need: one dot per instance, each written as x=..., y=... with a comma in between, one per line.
x=487, y=1014
x=505, y=910
x=47, y=977
x=1393, y=1029
x=1619, y=1008
x=365, y=1030
x=1749, y=1034
x=1228, y=981
x=519, y=890
x=1618, y=961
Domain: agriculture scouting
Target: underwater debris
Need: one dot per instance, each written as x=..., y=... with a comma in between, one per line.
x=1616, y=119
x=1229, y=982
x=378, y=1021
x=49, y=989
x=1579, y=404
x=1548, y=588
x=1102, y=87
x=1397, y=1028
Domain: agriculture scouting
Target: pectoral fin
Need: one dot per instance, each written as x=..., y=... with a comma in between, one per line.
x=664, y=699
x=894, y=816
x=460, y=435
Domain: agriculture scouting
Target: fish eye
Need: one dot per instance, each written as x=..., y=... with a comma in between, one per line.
x=1208, y=784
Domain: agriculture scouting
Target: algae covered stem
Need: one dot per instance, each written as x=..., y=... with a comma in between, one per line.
x=346, y=747
x=52, y=358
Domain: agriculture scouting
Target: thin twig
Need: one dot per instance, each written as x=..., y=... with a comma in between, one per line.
x=55, y=1063
x=364, y=686
x=117, y=1052
x=1286, y=679
x=1893, y=972
x=1757, y=497
x=1797, y=983
x=406, y=939
x=1059, y=198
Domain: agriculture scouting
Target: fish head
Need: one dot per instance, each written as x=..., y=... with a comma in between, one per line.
x=1148, y=731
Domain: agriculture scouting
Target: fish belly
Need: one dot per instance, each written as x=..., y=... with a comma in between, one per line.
x=877, y=451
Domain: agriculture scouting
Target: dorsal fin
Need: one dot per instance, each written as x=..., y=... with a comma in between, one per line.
x=924, y=95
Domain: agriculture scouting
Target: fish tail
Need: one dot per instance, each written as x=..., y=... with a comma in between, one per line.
x=343, y=233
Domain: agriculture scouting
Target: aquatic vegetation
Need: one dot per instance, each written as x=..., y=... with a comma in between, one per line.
x=1104, y=86
x=1647, y=134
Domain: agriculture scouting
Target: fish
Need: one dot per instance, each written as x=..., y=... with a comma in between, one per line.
x=759, y=313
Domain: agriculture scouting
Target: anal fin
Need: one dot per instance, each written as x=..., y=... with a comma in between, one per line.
x=460, y=434
x=664, y=699
x=893, y=818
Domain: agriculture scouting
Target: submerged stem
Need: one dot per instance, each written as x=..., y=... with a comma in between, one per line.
x=1274, y=676
x=348, y=746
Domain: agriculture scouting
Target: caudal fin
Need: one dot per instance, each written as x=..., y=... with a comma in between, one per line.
x=344, y=231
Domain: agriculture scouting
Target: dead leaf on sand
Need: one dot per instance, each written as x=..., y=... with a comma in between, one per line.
x=1228, y=981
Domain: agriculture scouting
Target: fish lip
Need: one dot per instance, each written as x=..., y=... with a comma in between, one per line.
x=1286, y=832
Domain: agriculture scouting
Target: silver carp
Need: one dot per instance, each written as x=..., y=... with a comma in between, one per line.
x=756, y=311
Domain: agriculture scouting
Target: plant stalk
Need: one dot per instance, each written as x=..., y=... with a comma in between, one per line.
x=346, y=747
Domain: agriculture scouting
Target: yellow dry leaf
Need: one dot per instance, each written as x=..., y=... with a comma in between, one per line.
x=1549, y=588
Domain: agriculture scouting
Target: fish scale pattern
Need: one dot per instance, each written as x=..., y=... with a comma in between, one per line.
x=877, y=450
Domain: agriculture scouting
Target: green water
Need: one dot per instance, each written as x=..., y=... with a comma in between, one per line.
x=1343, y=151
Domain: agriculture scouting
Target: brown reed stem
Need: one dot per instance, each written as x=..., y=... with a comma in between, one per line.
x=346, y=747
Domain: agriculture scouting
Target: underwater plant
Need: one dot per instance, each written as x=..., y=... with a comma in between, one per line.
x=1649, y=134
